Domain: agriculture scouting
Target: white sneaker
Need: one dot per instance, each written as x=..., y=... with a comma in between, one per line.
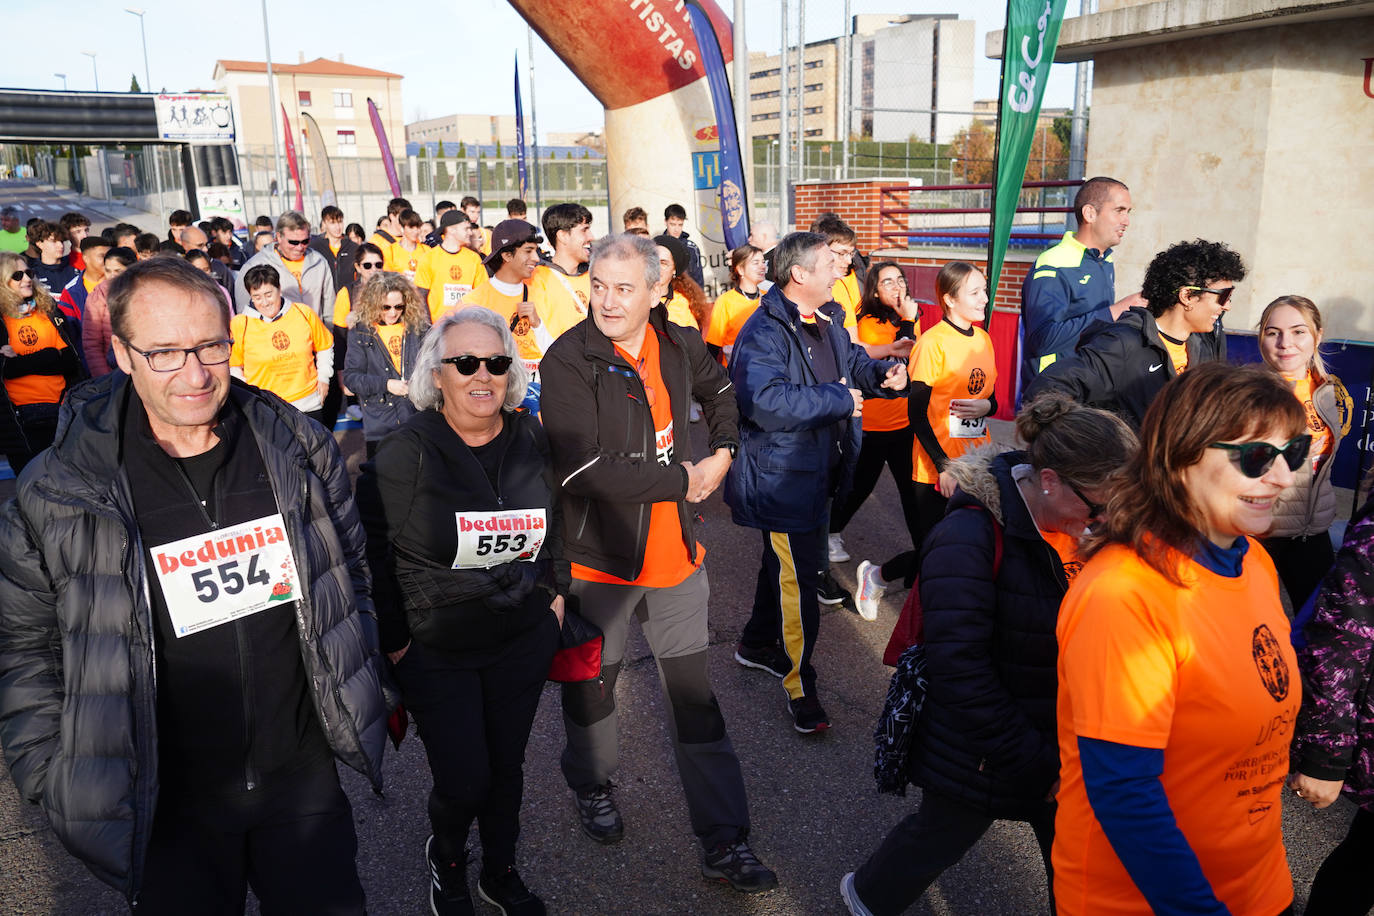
x=837, y=552
x=850, y=896
x=871, y=589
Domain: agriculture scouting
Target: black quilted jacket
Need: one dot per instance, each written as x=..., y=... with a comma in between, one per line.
x=77, y=680
x=986, y=735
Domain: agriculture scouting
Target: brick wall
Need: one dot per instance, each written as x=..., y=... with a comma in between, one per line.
x=857, y=202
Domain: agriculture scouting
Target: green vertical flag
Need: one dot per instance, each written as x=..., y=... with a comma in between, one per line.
x=1028, y=45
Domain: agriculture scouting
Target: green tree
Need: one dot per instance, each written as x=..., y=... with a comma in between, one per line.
x=442, y=180
x=462, y=150
x=1063, y=128
x=133, y=83
x=422, y=168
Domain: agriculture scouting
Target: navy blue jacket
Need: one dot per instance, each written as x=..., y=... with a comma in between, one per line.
x=987, y=735
x=790, y=423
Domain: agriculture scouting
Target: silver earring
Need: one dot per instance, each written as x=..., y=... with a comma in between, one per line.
x=1046, y=492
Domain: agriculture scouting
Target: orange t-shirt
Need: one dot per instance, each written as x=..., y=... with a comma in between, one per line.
x=666, y=561
x=28, y=335
x=680, y=312
x=955, y=365
x=527, y=337
x=1178, y=353
x=393, y=338
x=881, y=414
x=1204, y=672
x=297, y=268
x=403, y=260
x=847, y=293
x=728, y=315
x=1316, y=426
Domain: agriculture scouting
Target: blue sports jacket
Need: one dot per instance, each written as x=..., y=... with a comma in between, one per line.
x=790, y=424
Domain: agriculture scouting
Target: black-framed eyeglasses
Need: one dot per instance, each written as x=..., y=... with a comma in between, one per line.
x=467, y=363
x=170, y=359
x=1255, y=458
x=1095, y=510
x=1223, y=295
x=21, y=274
x=372, y=265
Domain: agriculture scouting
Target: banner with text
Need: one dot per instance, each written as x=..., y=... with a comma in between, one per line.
x=519, y=130
x=734, y=207
x=1031, y=36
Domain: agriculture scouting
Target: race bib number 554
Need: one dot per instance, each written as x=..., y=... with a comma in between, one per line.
x=487, y=539
x=213, y=578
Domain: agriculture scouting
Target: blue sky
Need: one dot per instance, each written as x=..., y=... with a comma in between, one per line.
x=185, y=40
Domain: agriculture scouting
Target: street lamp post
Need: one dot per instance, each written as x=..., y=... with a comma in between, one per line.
x=278, y=173
x=63, y=77
x=95, y=73
x=148, y=87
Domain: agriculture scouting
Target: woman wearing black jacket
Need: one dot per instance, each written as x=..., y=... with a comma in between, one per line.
x=383, y=344
x=985, y=746
x=469, y=582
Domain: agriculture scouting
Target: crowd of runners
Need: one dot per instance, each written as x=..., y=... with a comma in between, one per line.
x=1129, y=628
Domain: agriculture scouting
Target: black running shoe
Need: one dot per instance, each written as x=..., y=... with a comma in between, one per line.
x=448, y=884
x=505, y=891
x=765, y=658
x=736, y=864
x=831, y=592
x=807, y=715
x=599, y=816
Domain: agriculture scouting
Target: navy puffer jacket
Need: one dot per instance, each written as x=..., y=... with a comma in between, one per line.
x=790, y=424
x=987, y=735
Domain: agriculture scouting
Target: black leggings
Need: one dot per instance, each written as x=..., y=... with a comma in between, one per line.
x=1342, y=885
x=930, y=508
x=885, y=447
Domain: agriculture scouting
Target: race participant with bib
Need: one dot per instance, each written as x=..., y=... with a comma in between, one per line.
x=1122, y=366
x=563, y=284
x=39, y=358
x=514, y=256
x=993, y=573
x=282, y=347
x=1299, y=543
x=953, y=375
x=188, y=638
x=465, y=543
x=734, y=306
x=1178, y=686
x=452, y=270
x=383, y=345
x=616, y=411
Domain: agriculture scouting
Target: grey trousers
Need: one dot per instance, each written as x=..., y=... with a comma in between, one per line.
x=674, y=623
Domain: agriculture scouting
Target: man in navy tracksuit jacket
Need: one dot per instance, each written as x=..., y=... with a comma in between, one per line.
x=800, y=383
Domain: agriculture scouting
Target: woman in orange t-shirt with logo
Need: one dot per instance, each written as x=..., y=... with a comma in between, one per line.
x=1299, y=543
x=37, y=362
x=1178, y=687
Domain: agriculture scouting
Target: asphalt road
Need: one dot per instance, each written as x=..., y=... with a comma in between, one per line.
x=816, y=814
x=34, y=199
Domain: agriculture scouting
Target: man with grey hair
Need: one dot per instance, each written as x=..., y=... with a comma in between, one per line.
x=617, y=388
x=187, y=635
x=306, y=276
x=800, y=384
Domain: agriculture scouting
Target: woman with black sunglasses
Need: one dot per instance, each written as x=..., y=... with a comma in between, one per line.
x=368, y=261
x=383, y=345
x=1178, y=687
x=993, y=574
x=465, y=546
x=1122, y=366
x=39, y=360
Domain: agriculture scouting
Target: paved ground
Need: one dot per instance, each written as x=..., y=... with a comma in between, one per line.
x=34, y=199
x=815, y=811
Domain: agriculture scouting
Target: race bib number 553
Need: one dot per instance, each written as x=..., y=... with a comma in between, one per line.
x=487, y=539
x=213, y=578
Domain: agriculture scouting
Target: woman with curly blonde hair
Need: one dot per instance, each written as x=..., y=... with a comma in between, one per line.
x=382, y=346
x=39, y=360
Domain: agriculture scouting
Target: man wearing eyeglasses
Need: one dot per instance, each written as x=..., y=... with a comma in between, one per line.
x=187, y=640
x=1122, y=366
x=306, y=276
